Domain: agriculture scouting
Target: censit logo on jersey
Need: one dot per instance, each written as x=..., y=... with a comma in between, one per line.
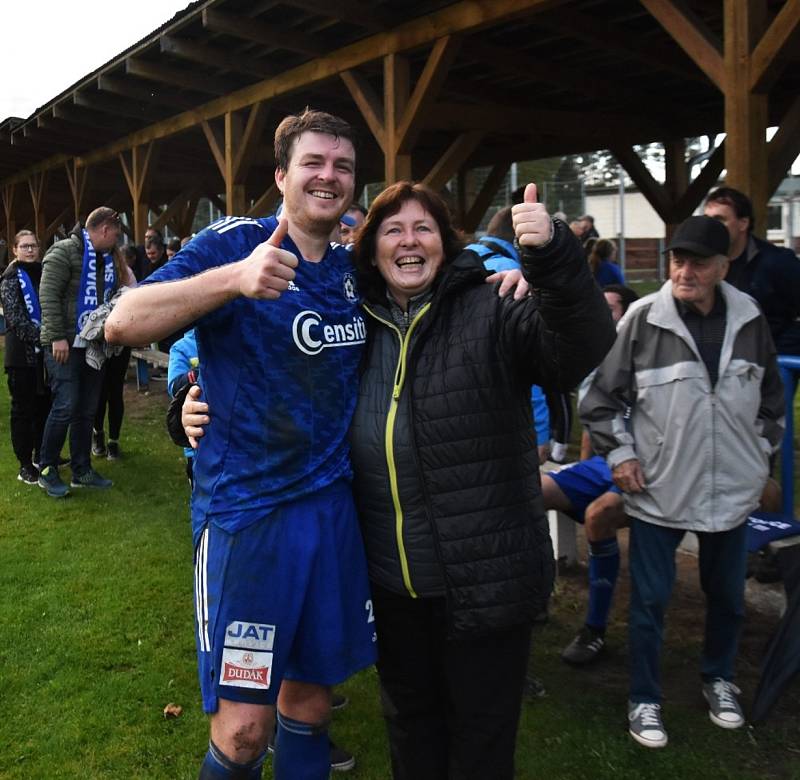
x=312, y=334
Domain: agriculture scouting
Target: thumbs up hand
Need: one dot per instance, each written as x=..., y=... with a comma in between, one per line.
x=267, y=271
x=532, y=223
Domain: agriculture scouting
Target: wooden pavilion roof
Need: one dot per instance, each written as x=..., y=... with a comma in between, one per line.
x=446, y=86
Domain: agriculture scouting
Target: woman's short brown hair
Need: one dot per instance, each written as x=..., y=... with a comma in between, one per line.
x=387, y=204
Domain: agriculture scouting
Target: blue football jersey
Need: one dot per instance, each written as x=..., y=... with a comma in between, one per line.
x=280, y=378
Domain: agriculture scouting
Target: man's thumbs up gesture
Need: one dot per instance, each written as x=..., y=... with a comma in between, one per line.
x=532, y=223
x=267, y=271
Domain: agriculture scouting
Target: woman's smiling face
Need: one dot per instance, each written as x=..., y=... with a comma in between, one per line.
x=409, y=251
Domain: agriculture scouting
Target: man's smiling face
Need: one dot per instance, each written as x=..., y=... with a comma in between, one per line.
x=319, y=182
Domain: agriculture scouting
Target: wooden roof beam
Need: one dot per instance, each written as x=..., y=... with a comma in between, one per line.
x=106, y=104
x=485, y=196
x=361, y=14
x=211, y=55
x=185, y=79
x=271, y=35
x=771, y=52
x=620, y=42
x=426, y=91
x=516, y=63
x=655, y=193
x=76, y=120
x=453, y=159
x=148, y=93
x=692, y=35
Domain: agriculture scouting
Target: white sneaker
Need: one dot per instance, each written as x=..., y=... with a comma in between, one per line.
x=645, y=724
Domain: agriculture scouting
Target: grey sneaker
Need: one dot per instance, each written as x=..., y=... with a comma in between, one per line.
x=644, y=724
x=51, y=483
x=585, y=648
x=90, y=478
x=723, y=706
x=113, y=450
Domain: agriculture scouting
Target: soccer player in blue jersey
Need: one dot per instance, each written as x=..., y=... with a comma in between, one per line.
x=281, y=592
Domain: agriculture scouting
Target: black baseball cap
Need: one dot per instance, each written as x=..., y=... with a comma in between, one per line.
x=702, y=236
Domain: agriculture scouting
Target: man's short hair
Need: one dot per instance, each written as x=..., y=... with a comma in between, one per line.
x=153, y=242
x=587, y=217
x=626, y=295
x=742, y=205
x=502, y=225
x=310, y=121
x=100, y=216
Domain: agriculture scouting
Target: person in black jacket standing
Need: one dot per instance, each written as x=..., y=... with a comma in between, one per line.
x=30, y=396
x=447, y=472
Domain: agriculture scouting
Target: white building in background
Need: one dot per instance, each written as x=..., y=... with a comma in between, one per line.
x=641, y=220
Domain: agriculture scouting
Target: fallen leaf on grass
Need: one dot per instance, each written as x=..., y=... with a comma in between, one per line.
x=173, y=710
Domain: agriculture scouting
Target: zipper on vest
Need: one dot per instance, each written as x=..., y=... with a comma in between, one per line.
x=397, y=388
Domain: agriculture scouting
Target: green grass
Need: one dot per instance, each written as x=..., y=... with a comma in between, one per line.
x=97, y=637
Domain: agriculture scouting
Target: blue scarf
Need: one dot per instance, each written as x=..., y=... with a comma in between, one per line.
x=87, y=291
x=30, y=297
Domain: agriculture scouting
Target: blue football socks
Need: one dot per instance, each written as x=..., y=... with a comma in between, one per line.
x=217, y=766
x=302, y=751
x=603, y=571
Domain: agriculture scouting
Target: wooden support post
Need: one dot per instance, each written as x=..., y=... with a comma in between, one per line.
x=138, y=174
x=395, y=98
x=265, y=203
x=9, y=192
x=655, y=193
x=77, y=178
x=235, y=152
x=37, y=184
x=745, y=111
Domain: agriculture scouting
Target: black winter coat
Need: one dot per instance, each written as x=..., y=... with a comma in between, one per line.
x=468, y=481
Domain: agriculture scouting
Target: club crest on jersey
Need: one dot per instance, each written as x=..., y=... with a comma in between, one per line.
x=312, y=335
x=349, y=287
x=246, y=669
x=253, y=636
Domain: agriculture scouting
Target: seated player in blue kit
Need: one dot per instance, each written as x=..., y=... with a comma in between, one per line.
x=283, y=610
x=586, y=492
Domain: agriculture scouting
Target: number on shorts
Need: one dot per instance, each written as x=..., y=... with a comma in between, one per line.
x=368, y=607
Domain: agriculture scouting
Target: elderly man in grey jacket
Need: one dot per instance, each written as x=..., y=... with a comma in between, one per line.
x=687, y=409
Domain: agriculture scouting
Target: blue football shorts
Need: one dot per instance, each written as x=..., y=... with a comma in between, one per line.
x=583, y=482
x=284, y=598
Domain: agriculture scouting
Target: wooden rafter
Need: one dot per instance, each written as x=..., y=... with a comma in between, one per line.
x=138, y=172
x=144, y=93
x=360, y=14
x=179, y=77
x=700, y=185
x=426, y=91
x=213, y=55
x=53, y=227
x=483, y=199
x=37, y=184
x=689, y=32
x=106, y=104
x=453, y=159
x=216, y=144
x=264, y=204
x=260, y=32
x=769, y=56
x=652, y=190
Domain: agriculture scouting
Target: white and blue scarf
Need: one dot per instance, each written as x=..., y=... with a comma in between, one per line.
x=30, y=297
x=87, y=291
